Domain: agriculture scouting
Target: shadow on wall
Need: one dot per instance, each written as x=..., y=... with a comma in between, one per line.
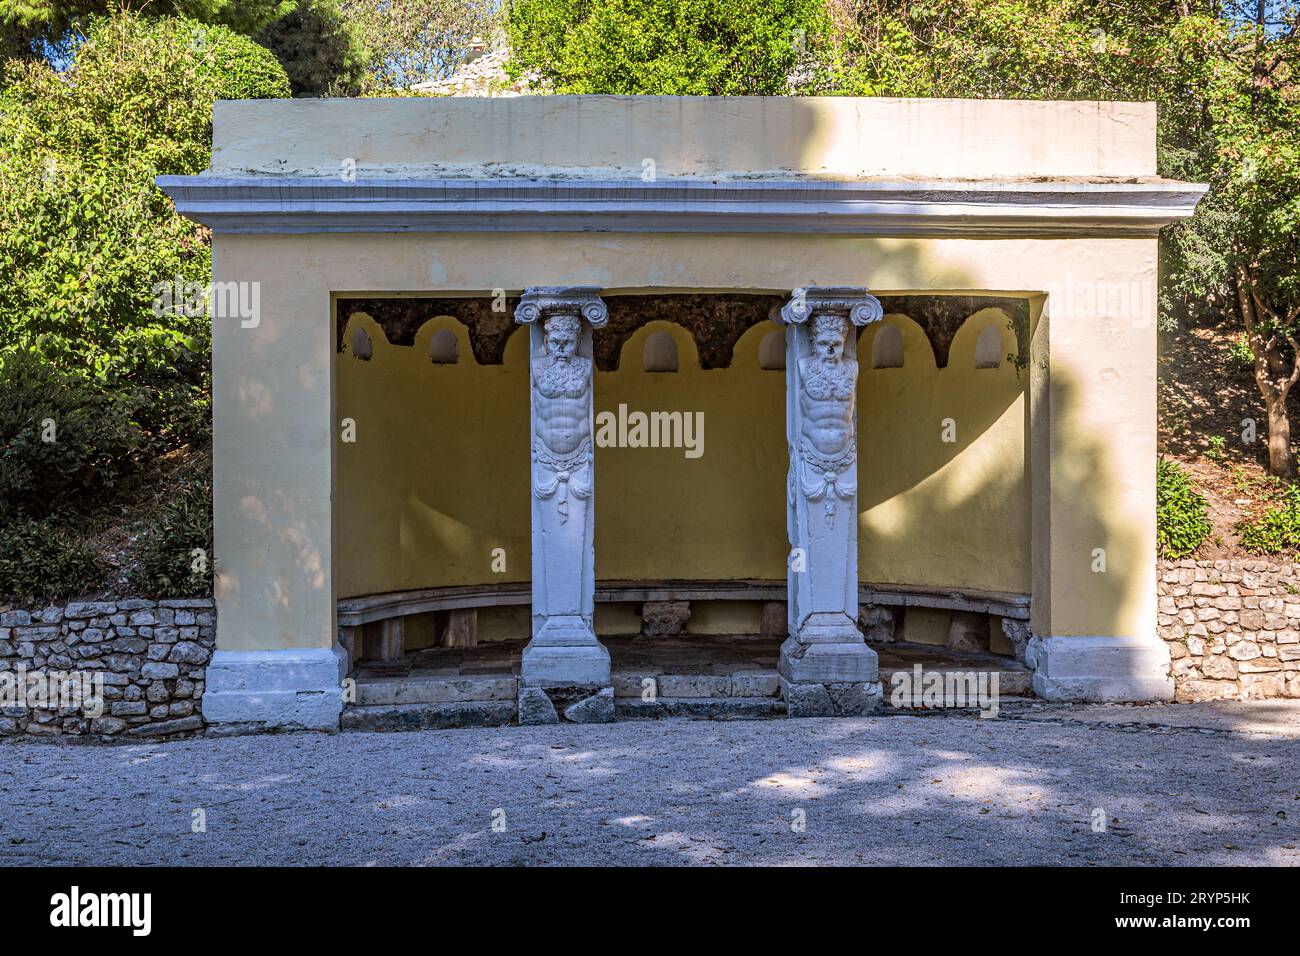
x=433, y=489
x=942, y=488
x=1093, y=573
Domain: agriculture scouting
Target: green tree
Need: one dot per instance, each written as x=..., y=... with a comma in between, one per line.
x=686, y=47
x=1249, y=239
x=318, y=49
x=51, y=19
x=85, y=235
x=1224, y=75
x=415, y=41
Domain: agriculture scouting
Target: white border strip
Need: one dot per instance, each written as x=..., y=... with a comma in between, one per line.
x=273, y=204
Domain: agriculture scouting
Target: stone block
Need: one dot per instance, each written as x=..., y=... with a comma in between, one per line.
x=968, y=632
x=700, y=708
x=877, y=623
x=535, y=707
x=168, y=727
x=695, y=685
x=755, y=684
x=462, y=628
x=436, y=690
x=397, y=717
x=596, y=709
x=663, y=618
x=1192, y=691
x=187, y=652
x=1262, y=686
x=1218, y=668
x=774, y=619
x=1244, y=651
x=807, y=700
x=634, y=685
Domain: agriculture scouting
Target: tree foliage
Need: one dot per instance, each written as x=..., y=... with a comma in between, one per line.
x=84, y=233
x=317, y=48
x=415, y=41
x=52, y=19
x=688, y=47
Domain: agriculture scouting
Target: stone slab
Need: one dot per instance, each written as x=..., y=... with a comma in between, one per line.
x=695, y=685
x=399, y=717
x=435, y=690
x=698, y=708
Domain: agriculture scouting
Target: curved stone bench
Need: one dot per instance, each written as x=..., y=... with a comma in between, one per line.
x=392, y=608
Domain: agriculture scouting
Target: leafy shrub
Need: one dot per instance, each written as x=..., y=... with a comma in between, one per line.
x=1239, y=351
x=1181, y=522
x=684, y=48
x=85, y=235
x=318, y=48
x=64, y=443
x=42, y=561
x=1277, y=529
x=167, y=562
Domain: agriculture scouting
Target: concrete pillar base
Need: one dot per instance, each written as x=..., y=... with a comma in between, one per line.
x=565, y=665
x=1100, y=669
x=847, y=662
x=298, y=688
x=831, y=699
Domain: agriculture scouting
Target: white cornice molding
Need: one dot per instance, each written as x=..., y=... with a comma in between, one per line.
x=279, y=204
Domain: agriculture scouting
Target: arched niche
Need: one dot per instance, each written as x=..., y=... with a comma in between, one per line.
x=359, y=344
x=988, y=348
x=443, y=348
x=636, y=350
x=443, y=341
x=887, y=348
x=894, y=342
x=659, y=353
x=771, y=351
x=362, y=337
x=984, y=342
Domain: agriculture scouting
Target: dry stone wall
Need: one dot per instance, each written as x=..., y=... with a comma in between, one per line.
x=130, y=667
x=1233, y=628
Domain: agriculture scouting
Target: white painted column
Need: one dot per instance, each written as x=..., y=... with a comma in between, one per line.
x=826, y=667
x=564, y=663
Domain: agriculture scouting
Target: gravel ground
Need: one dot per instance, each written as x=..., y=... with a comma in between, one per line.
x=1183, y=784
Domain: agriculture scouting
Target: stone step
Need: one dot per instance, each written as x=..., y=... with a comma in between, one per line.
x=391, y=717
x=747, y=683
x=389, y=691
x=699, y=708
x=1011, y=683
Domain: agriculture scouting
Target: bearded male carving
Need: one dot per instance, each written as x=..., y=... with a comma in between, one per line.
x=827, y=404
x=562, y=384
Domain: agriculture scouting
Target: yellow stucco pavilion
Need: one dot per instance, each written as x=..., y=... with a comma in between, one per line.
x=990, y=265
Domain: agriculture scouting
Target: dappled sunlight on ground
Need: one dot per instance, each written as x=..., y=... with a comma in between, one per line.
x=1041, y=784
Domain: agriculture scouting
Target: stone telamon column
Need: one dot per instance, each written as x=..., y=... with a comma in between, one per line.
x=826, y=668
x=565, y=668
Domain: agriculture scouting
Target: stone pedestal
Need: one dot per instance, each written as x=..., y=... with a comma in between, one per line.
x=826, y=667
x=564, y=660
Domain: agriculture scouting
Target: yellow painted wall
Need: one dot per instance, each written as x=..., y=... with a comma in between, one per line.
x=438, y=476
x=934, y=512
x=661, y=515
x=279, y=392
